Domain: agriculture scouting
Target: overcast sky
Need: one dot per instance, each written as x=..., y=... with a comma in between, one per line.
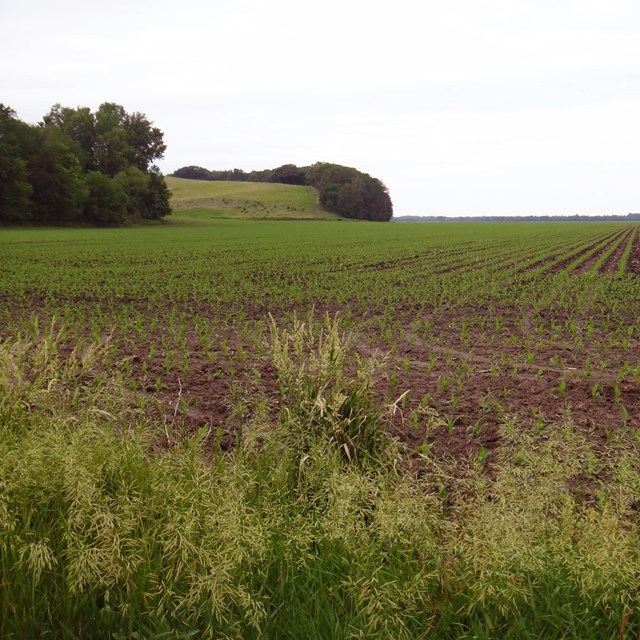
x=502, y=107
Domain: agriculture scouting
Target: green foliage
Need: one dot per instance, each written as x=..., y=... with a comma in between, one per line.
x=59, y=188
x=318, y=401
x=49, y=172
x=110, y=139
x=156, y=200
x=134, y=183
x=80, y=127
x=193, y=172
x=349, y=192
x=288, y=174
x=15, y=188
x=106, y=202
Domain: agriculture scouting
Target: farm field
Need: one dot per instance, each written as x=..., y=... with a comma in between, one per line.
x=472, y=321
x=501, y=363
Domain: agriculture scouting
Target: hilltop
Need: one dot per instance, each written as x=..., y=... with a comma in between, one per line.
x=343, y=190
x=202, y=200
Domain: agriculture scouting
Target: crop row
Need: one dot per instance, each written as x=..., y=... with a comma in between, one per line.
x=473, y=321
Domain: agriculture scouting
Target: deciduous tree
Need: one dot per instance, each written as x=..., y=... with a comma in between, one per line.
x=80, y=166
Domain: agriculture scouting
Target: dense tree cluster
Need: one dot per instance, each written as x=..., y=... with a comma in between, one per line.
x=77, y=166
x=342, y=190
x=286, y=174
x=349, y=192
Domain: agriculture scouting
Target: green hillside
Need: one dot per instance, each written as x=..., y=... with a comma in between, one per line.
x=196, y=201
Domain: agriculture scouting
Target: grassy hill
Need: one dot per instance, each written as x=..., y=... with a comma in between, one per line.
x=196, y=201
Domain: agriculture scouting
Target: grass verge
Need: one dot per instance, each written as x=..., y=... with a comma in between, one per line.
x=308, y=528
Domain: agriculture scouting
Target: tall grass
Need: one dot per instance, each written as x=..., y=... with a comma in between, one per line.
x=309, y=530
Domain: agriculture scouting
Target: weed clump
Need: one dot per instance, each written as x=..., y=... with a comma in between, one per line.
x=318, y=401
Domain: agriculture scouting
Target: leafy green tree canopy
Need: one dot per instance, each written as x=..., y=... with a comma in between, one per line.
x=110, y=139
x=15, y=187
x=349, y=192
x=78, y=166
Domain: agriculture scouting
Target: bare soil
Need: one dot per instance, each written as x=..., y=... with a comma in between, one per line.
x=559, y=266
x=459, y=391
x=611, y=263
x=633, y=266
x=592, y=260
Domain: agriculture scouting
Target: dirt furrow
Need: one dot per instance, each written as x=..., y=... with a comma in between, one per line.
x=559, y=266
x=633, y=265
x=583, y=267
x=611, y=263
x=538, y=263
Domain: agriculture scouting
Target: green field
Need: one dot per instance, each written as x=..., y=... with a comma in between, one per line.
x=256, y=429
x=199, y=201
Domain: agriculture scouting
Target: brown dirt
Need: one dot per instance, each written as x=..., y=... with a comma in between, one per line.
x=470, y=382
x=470, y=386
x=497, y=381
x=611, y=263
x=633, y=265
x=557, y=268
x=583, y=267
x=538, y=263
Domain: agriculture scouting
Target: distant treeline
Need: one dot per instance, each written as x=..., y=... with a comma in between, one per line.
x=342, y=190
x=80, y=167
x=630, y=217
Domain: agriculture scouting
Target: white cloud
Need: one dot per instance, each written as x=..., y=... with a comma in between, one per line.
x=500, y=106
